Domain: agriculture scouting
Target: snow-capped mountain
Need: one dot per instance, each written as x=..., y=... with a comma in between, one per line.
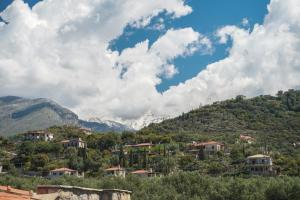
x=112, y=125
x=146, y=120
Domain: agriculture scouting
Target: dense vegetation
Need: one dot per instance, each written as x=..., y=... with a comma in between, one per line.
x=263, y=114
x=187, y=185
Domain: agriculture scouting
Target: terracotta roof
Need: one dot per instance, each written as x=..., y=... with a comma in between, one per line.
x=114, y=168
x=63, y=170
x=9, y=193
x=246, y=137
x=140, y=145
x=141, y=171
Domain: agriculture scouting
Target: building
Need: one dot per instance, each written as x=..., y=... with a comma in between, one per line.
x=260, y=164
x=62, y=192
x=74, y=142
x=144, y=173
x=87, y=131
x=38, y=135
x=247, y=139
x=64, y=172
x=9, y=193
x=141, y=145
x=207, y=147
x=296, y=144
x=116, y=171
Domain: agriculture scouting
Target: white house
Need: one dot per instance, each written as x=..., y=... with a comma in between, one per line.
x=116, y=171
x=75, y=142
x=64, y=172
x=207, y=147
x=38, y=135
x=260, y=164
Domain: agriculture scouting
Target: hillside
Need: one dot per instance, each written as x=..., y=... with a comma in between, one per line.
x=262, y=114
x=18, y=115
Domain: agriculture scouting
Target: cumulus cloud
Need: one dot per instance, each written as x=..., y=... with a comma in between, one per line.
x=60, y=50
x=260, y=62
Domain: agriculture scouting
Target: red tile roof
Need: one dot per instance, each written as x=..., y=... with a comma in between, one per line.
x=141, y=171
x=246, y=137
x=9, y=193
x=63, y=170
x=114, y=168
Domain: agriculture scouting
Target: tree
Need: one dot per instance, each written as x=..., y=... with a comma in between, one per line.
x=39, y=161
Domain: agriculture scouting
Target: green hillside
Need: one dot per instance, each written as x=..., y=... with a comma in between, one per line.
x=262, y=115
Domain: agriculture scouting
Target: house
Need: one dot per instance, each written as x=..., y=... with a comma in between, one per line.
x=38, y=135
x=260, y=164
x=87, y=131
x=116, y=171
x=144, y=173
x=207, y=147
x=75, y=142
x=64, y=172
x=296, y=144
x=247, y=139
x=55, y=192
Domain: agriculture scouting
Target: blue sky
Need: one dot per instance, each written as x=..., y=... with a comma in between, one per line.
x=206, y=18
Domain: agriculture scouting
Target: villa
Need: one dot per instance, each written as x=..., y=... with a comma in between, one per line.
x=260, y=164
x=38, y=135
x=75, y=142
x=116, y=171
x=64, y=172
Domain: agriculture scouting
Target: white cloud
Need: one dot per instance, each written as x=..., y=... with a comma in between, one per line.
x=59, y=50
x=261, y=62
x=65, y=57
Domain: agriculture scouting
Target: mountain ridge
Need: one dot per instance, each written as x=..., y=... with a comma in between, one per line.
x=19, y=115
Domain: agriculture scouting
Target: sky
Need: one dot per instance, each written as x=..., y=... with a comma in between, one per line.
x=141, y=61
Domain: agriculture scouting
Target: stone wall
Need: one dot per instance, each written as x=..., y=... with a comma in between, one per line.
x=63, y=192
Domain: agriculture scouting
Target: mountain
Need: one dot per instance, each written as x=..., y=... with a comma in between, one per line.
x=263, y=114
x=98, y=124
x=19, y=115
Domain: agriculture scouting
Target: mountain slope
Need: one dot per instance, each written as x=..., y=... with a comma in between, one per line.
x=18, y=115
x=259, y=114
